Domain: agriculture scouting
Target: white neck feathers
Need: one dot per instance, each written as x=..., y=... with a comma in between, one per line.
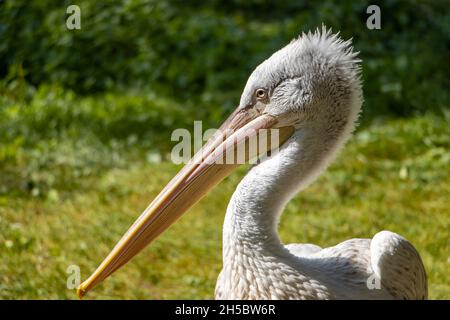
x=254, y=210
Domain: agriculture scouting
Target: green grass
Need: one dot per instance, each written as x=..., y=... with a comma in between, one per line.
x=392, y=175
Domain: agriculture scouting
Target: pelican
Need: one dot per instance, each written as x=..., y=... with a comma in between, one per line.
x=310, y=91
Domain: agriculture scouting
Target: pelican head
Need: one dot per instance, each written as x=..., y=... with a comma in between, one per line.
x=313, y=82
x=314, y=77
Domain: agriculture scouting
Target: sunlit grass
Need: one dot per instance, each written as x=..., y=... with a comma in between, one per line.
x=393, y=176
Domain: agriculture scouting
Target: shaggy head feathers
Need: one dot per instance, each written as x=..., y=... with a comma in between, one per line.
x=314, y=74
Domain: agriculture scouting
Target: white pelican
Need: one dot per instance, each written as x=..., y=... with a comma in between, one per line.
x=311, y=91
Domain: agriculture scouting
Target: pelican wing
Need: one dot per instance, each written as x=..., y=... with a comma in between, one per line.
x=303, y=250
x=398, y=265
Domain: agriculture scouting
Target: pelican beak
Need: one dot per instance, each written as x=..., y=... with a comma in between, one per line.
x=210, y=165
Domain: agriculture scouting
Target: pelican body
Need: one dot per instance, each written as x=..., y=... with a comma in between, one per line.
x=310, y=91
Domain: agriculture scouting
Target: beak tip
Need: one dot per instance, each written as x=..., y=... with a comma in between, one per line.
x=81, y=291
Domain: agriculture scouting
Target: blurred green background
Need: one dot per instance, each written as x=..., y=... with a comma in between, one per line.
x=86, y=117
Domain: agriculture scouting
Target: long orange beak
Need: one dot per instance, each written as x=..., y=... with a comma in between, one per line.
x=207, y=168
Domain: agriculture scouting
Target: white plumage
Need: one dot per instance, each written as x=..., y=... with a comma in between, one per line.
x=256, y=265
x=311, y=91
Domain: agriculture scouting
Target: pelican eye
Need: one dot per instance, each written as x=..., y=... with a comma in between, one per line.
x=260, y=93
